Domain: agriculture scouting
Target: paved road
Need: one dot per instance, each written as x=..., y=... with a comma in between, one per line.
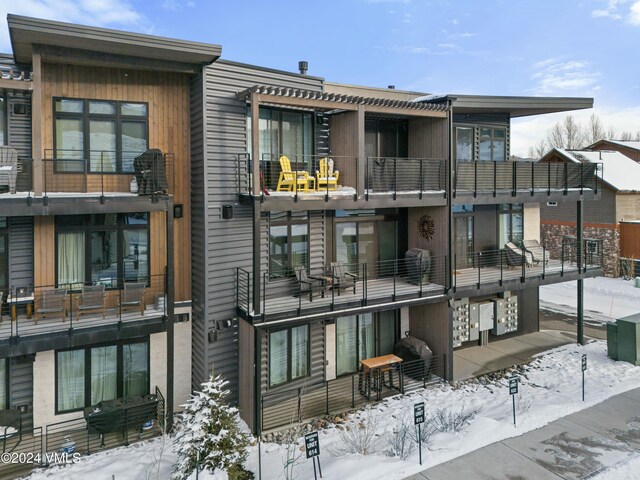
x=574, y=447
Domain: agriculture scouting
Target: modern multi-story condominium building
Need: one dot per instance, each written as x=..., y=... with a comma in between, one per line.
x=284, y=229
x=95, y=279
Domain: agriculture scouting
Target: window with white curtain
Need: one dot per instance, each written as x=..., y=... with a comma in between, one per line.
x=89, y=375
x=288, y=355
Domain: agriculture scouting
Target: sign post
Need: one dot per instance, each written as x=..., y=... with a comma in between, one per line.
x=418, y=420
x=312, y=446
x=584, y=367
x=513, y=390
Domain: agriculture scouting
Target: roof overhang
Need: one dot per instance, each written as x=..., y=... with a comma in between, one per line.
x=69, y=43
x=512, y=106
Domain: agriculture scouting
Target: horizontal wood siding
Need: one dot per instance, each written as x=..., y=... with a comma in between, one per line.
x=601, y=211
x=21, y=386
x=246, y=366
x=20, y=252
x=19, y=135
x=630, y=240
x=628, y=206
x=167, y=95
x=229, y=243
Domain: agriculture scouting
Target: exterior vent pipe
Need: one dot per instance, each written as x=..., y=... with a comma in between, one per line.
x=303, y=66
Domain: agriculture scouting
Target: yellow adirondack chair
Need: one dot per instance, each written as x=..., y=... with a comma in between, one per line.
x=327, y=176
x=290, y=180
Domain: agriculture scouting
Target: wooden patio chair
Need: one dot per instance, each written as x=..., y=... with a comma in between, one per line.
x=515, y=255
x=51, y=302
x=133, y=296
x=289, y=180
x=8, y=167
x=91, y=299
x=537, y=251
x=341, y=278
x=306, y=283
x=326, y=175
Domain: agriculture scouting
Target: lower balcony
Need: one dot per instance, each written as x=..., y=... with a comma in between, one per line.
x=43, y=311
x=493, y=270
x=326, y=292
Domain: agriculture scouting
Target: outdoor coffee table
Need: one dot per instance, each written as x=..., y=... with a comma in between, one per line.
x=379, y=365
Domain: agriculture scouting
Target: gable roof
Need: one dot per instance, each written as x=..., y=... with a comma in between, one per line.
x=622, y=143
x=618, y=171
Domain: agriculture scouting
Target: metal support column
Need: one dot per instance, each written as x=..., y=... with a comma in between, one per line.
x=169, y=281
x=448, y=364
x=256, y=189
x=579, y=260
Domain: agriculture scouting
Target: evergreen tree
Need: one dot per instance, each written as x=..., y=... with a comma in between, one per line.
x=210, y=435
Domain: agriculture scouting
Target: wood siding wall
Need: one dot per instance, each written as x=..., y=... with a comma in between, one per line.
x=343, y=142
x=627, y=206
x=20, y=252
x=429, y=138
x=599, y=212
x=168, y=97
x=431, y=323
x=632, y=153
x=630, y=240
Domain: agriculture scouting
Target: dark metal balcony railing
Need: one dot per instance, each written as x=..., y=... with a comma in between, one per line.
x=54, y=308
x=68, y=171
x=488, y=267
x=333, y=288
x=388, y=175
x=345, y=393
x=517, y=177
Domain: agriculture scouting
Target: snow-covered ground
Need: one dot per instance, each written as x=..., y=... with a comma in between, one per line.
x=605, y=299
x=550, y=388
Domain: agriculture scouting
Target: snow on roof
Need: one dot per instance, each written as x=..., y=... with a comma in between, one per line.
x=619, y=171
x=623, y=143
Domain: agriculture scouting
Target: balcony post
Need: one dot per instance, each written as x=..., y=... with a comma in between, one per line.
x=36, y=120
x=580, y=227
x=533, y=179
x=361, y=150
x=255, y=143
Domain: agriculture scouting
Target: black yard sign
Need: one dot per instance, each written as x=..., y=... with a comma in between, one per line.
x=513, y=385
x=311, y=444
x=584, y=362
x=418, y=413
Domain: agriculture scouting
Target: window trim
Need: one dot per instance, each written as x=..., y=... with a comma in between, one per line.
x=288, y=380
x=509, y=210
x=85, y=116
x=476, y=137
x=87, y=369
x=86, y=228
x=289, y=221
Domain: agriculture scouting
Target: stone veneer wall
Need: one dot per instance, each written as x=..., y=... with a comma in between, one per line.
x=551, y=237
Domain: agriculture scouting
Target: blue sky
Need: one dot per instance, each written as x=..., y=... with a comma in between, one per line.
x=494, y=47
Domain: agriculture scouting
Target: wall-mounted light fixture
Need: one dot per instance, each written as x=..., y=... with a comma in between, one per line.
x=227, y=212
x=178, y=210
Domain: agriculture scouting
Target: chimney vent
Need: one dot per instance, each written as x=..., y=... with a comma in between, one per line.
x=303, y=66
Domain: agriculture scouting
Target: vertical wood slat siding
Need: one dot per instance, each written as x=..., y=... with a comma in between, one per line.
x=344, y=143
x=630, y=240
x=317, y=362
x=429, y=138
x=21, y=386
x=229, y=242
x=602, y=211
x=20, y=252
x=430, y=323
x=167, y=95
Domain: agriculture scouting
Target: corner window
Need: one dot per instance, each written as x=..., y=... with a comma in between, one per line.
x=106, y=249
x=492, y=144
x=511, y=224
x=288, y=244
x=288, y=355
x=482, y=143
x=90, y=375
x=98, y=135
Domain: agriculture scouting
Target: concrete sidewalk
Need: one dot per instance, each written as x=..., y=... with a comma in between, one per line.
x=574, y=447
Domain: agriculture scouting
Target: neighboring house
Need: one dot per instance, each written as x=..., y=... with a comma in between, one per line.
x=287, y=272
x=603, y=220
x=95, y=279
x=628, y=148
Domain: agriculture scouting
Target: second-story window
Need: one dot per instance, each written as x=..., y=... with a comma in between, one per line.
x=492, y=144
x=288, y=243
x=93, y=136
x=511, y=223
x=484, y=143
x=102, y=249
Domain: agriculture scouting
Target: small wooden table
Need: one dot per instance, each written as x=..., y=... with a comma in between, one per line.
x=381, y=364
x=16, y=300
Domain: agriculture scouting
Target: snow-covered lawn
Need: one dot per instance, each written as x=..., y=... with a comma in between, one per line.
x=605, y=299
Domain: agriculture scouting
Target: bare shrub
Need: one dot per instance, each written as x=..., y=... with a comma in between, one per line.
x=401, y=438
x=446, y=420
x=293, y=452
x=427, y=429
x=360, y=436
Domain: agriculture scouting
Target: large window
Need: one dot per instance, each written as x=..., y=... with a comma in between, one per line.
x=364, y=336
x=102, y=249
x=288, y=243
x=288, y=355
x=87, y=376
x=4, y=383
x=491, y=143
x=109, y=134
x=386, y=137
x=510, y=225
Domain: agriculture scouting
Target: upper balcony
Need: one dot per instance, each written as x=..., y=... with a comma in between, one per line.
x=305, y=179
x=65, y=181
x=59, y=316
x=521, y=182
